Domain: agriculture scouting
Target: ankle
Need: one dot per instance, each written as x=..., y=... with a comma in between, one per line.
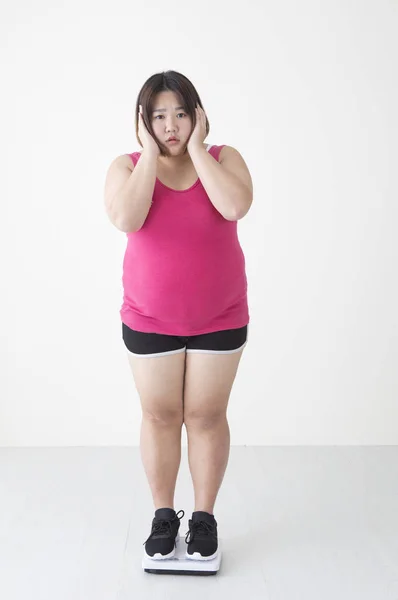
x=207, y=509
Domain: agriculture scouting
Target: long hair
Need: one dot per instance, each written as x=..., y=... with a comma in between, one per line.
x=164, y=82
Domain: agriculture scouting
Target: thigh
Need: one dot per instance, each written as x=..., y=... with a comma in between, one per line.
x=157, y=363
x=211, y=366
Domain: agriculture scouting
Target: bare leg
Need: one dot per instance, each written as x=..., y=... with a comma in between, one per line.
x=208, y=453
x=160, y=445
x=208, y=383
x=159, y=381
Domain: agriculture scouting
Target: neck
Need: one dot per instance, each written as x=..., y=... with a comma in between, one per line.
x=180, y=160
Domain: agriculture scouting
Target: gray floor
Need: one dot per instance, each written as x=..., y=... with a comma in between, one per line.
x=297, y=523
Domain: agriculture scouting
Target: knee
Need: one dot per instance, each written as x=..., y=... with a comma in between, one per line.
x=163, y=417
x=204, y=419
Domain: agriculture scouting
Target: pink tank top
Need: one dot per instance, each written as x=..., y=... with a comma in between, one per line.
x=184, y=270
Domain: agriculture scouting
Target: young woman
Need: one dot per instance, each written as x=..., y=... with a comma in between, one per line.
x=185, y=312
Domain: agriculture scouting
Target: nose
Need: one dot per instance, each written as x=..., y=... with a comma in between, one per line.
x=170, y=123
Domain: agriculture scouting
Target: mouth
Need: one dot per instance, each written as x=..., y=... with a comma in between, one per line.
x=172, y=140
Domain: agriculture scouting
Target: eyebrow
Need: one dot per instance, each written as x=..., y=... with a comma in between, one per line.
x=164, y=109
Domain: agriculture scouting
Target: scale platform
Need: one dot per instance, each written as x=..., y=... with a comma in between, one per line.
x=180, y=564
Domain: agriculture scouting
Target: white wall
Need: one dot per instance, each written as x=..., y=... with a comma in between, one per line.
x=307, y=92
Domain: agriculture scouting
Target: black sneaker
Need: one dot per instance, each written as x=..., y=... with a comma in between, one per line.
x=162, y=541
x=203, y=538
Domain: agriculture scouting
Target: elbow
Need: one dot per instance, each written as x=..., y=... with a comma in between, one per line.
x=129, y=228
x=125, y=226
x=234, y=215
x=241, y=214
x=227, y=216
x=244, y=209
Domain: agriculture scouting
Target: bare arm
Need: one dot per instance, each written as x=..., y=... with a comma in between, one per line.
x=129, y=190
x=227, y=183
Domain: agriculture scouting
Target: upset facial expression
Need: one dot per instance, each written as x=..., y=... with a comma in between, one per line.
x=169, y=119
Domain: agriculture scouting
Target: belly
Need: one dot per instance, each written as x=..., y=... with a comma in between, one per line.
x=184, y=287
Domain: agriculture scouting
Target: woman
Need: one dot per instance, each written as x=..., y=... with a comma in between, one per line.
x=184, y=313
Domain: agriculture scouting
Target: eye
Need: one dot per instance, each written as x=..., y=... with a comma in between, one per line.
x=181, y=113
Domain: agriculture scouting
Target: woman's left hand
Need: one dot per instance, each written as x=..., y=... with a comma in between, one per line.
x=199, y=133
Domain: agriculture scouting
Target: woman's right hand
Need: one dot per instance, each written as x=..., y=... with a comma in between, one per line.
x=147, y=141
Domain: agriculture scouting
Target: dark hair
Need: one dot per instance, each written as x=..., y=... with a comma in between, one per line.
x=164, y=82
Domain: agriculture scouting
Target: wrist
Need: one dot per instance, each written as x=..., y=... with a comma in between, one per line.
x=152, y=155
x=196, y=149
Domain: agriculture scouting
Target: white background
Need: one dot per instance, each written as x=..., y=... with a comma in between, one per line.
x=307, y=92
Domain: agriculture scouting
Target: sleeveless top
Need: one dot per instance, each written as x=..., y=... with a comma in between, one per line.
x=184, y=270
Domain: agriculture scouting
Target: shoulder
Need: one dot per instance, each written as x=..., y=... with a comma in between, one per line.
x=233, y=161
x=121, y=162
x=227, y=151
x=126, y=160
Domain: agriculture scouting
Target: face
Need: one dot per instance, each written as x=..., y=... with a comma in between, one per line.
x=172, y=120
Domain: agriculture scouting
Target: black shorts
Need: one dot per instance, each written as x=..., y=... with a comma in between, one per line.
x=155, y=344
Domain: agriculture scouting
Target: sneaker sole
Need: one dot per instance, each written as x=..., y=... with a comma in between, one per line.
x=198, y=556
